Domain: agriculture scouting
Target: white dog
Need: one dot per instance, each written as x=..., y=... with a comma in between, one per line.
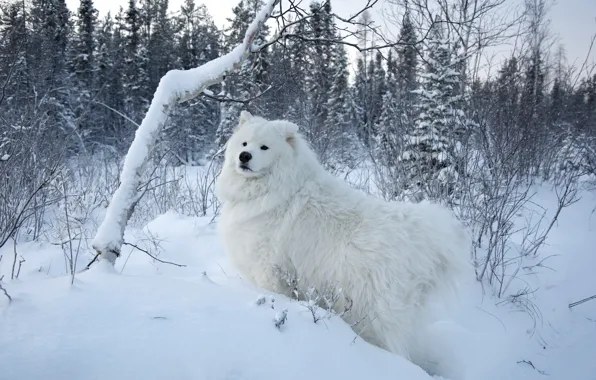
x=282, y=212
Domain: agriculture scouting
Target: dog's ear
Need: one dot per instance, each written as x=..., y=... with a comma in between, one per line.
x=291, y=130
x=244, y=117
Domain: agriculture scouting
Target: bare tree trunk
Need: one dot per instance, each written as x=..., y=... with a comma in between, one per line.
x=176, y=86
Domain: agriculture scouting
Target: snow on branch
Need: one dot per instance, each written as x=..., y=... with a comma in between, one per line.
x=175, y=87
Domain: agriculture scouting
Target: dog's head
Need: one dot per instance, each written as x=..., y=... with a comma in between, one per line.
x=259, y=146
x=265, y=158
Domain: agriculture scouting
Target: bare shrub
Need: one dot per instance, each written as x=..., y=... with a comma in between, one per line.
x=5, y=291
x=81, y=189
x=199, y=192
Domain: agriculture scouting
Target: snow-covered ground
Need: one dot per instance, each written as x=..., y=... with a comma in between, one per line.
x=150, y=320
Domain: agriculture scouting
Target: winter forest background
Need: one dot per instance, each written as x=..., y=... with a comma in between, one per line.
x=419, y=115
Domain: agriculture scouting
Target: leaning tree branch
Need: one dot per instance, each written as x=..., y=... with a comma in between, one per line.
x=175, y=87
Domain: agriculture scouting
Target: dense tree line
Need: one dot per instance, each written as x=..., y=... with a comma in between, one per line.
x=83, y=82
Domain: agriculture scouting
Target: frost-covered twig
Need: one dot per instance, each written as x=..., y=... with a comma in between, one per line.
x=175, y=87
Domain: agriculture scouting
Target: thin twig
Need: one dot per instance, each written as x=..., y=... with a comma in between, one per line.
x=91, y=262
x=6, y=293
x=117, y=112
x=529, y=362
x=153, y=257
x=582, y=301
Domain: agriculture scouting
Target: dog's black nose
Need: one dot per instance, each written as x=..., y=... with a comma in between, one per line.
x=245, y=157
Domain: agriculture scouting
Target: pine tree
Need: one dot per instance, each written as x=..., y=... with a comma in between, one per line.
x=278, y=98
x=533, y=89
x=50, y=30
x=344, y=137
x=135, y=76
x=532, y=113
x=194, y=124
x=397, y=110
x=407, y=60
x=295, y=77
x=47, y=44
x=159, y=50
x=507, y=93
x=367, y=96
x=379, y=87
x=429, y=146
x=321, y=75
x=114, y=130
x=252, y=76
x=360, y=100
x=84, y=66
x=388, y=143
x=557, y=102
x=85, y=44
x=14, y=71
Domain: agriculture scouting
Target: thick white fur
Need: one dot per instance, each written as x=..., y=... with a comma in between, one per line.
x=289, y=213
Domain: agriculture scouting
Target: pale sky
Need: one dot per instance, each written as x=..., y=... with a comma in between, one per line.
x=572, y=21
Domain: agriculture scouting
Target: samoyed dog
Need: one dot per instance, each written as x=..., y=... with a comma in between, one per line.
x=282, y=213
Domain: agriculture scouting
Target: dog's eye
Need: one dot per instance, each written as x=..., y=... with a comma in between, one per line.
x=264, y=147
x=244, y=143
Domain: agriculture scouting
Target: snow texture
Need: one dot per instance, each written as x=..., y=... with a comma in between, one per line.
x=176, y=85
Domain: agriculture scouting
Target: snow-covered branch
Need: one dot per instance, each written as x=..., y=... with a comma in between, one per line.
x=175, y=87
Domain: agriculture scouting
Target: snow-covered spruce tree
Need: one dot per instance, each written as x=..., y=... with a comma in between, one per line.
x=47, y=44
x=83, y=63
x=279, y=96
x=229, y=111
x=532, y=114
x=319, y=80
x=14, y=71
x=114, y=131
x=397, y=104
x=389, y=134
x=197, y=42
x=367, y=96
x=135, y=78
x=430, y=146
x=360, y=100
x=297, y=54
x=159, y=49
x=84, y=46
x=378, y=87
x=175, y=87
x=252, y=76
x=344, y=136
x=407, y=61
